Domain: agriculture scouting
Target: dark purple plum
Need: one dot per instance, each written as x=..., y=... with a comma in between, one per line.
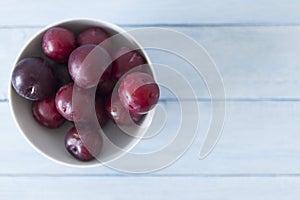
x=125, y=59
x=119, y=114
x=58, y=43
x=83, y=142
x=88, y=65
x=75, y=103
x=138, y=92
x=95, y=35
x=45, y=113
x=33, y=79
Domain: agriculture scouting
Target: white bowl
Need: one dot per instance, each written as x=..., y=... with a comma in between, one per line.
x=50, y=142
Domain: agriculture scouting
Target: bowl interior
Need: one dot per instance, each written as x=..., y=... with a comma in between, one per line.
x=50, y=142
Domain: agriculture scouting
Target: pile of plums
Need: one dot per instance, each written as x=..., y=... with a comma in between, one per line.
x=75, y=81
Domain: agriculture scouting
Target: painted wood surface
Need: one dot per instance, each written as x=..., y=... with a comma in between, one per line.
x=136, y=12
x=255, y=45
x=148, y=188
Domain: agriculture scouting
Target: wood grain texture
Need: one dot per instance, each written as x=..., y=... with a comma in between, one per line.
x=254, y=62
x=258, y=138
x=148, y=188
x=34, y=12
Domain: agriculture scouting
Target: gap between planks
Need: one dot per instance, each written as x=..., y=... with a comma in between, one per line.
x=165, y=100
x=119, y=175
x=185, y=25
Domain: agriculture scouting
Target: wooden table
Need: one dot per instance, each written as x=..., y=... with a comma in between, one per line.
x=256, y=46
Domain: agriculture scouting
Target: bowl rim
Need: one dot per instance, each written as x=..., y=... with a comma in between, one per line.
x=18, y=57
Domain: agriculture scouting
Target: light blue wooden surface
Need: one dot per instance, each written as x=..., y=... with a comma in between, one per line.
x=255, y=45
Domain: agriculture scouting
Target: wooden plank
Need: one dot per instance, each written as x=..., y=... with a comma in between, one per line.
x=35, y=12
x=148, y=188
x=255, y=62
x=258, y=138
